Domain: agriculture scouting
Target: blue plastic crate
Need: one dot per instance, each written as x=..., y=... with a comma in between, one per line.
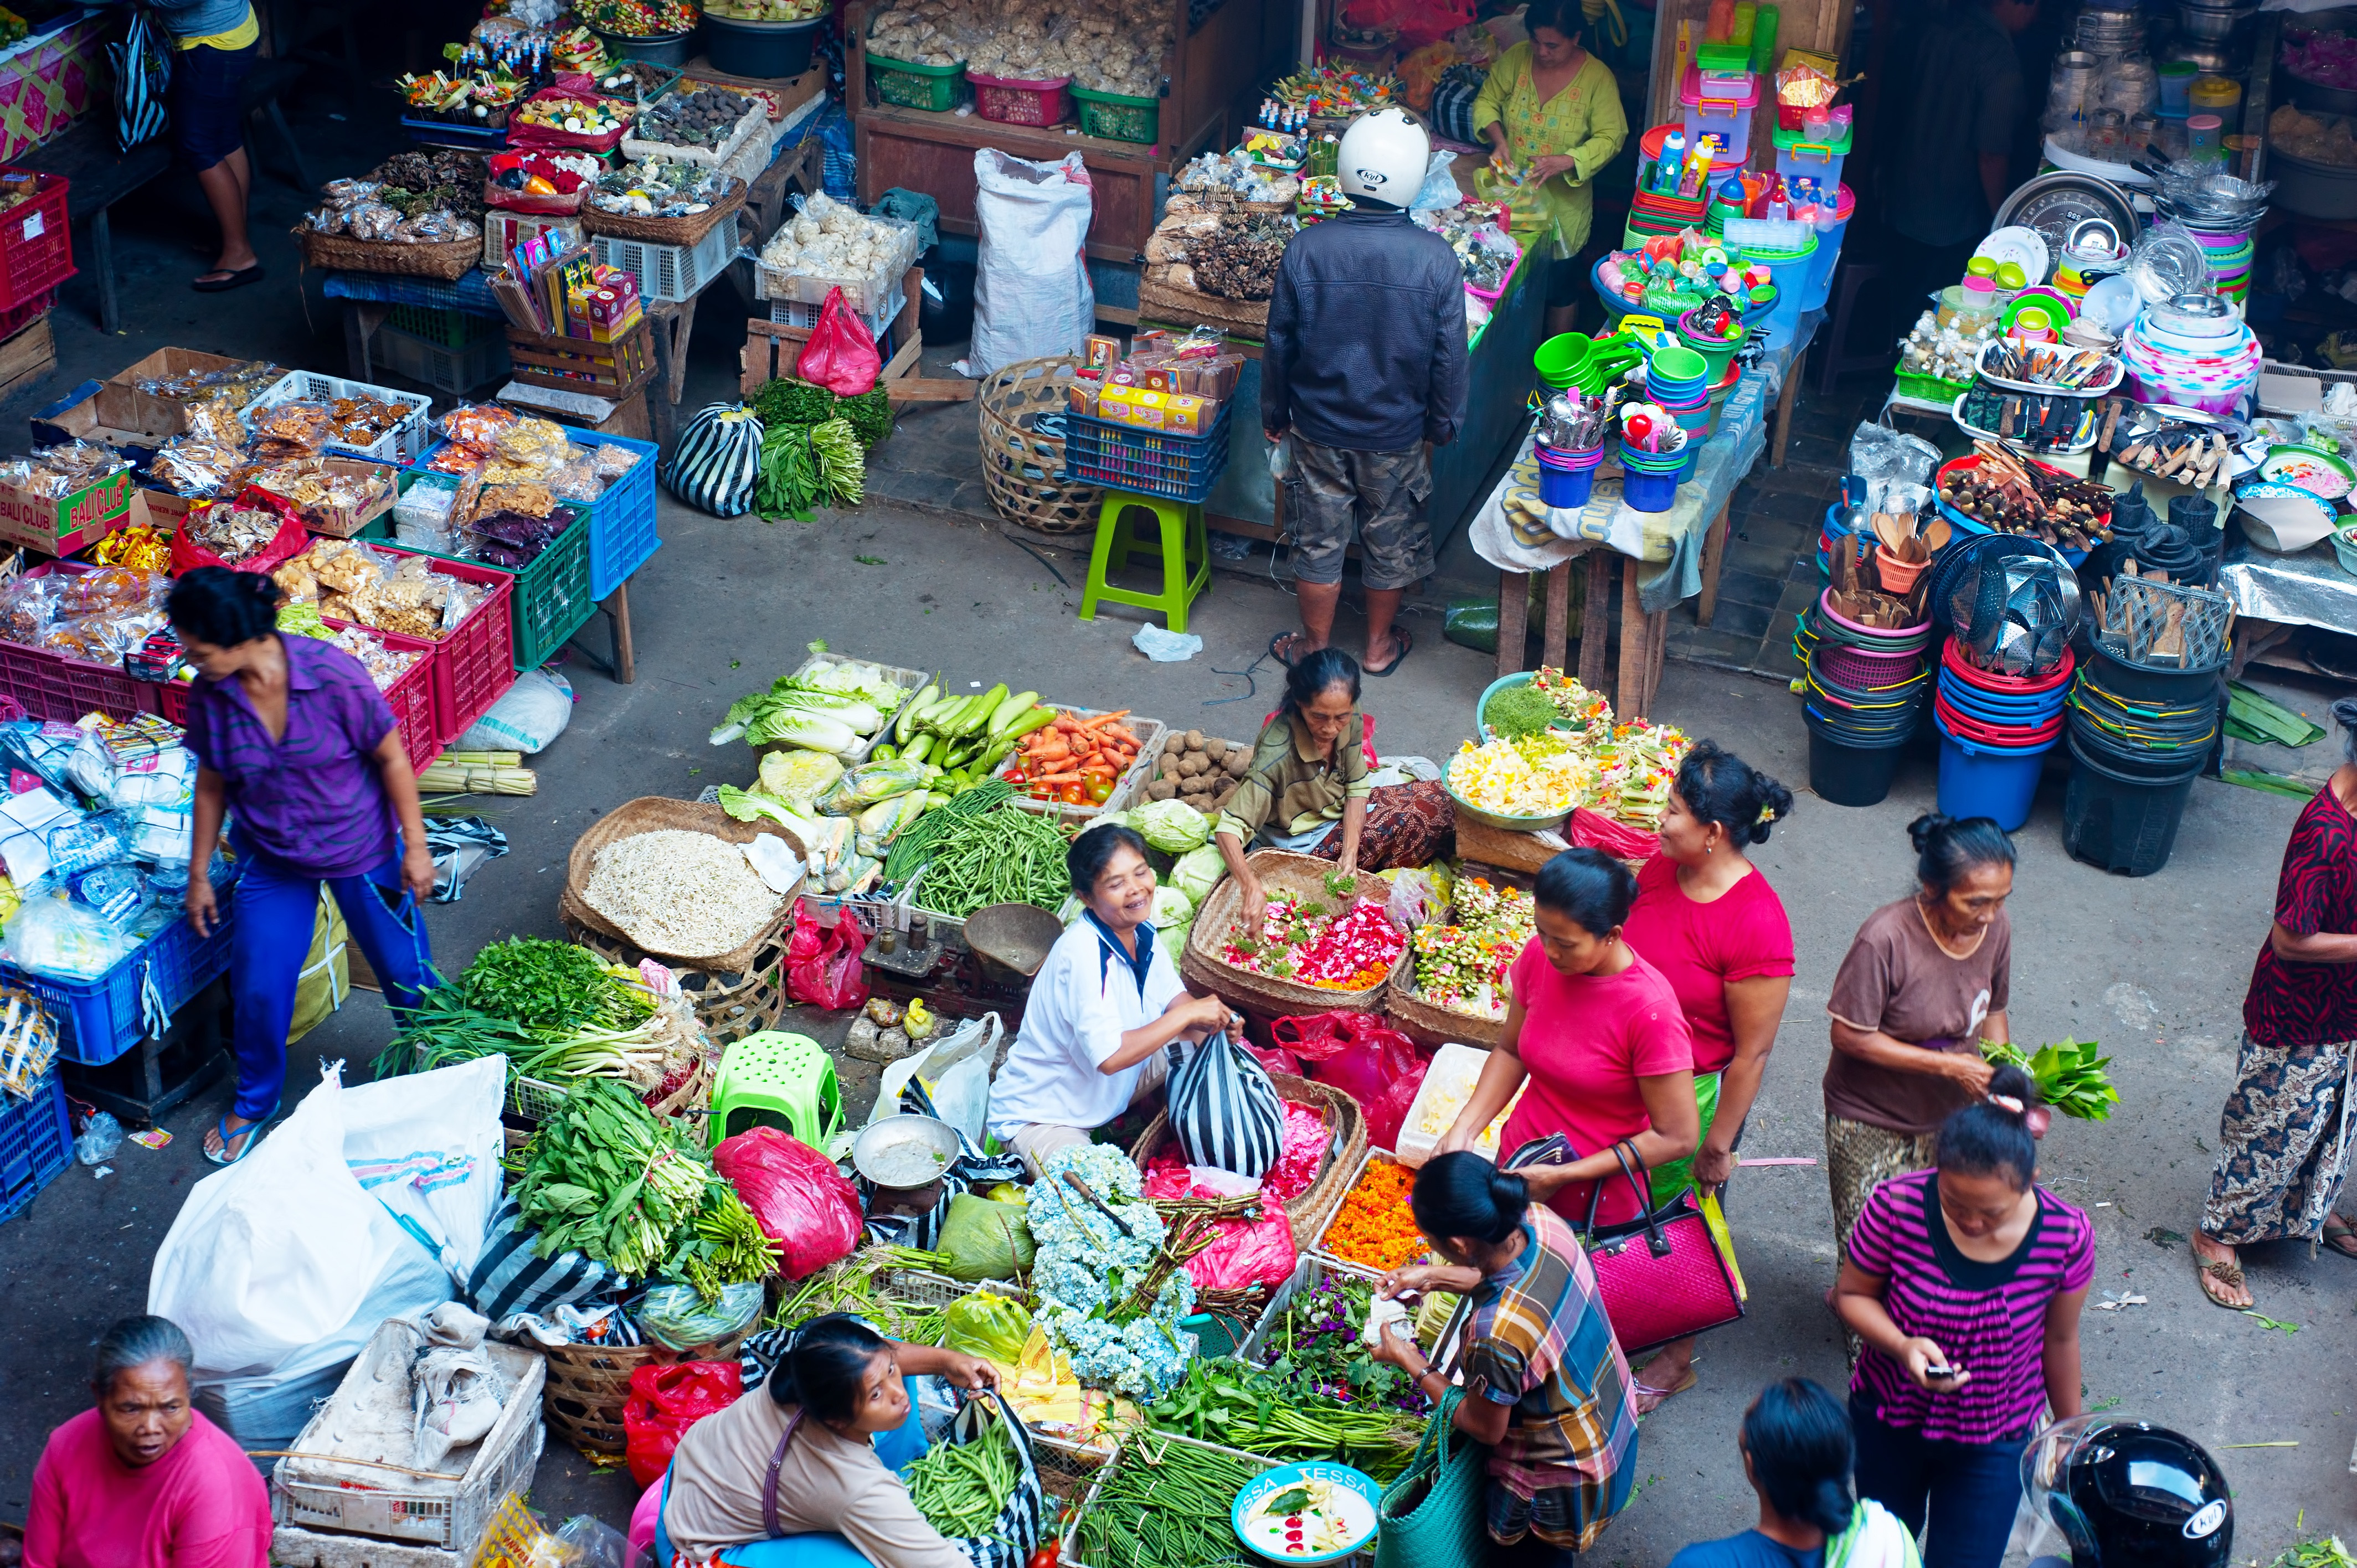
x=622, y=520
x=98, y=1020
x=36, y=1143
x=1145, y=462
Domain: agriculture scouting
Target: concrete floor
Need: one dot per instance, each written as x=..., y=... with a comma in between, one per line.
x=2154, y=968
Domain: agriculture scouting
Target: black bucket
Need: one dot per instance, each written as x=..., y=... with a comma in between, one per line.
x=759, y=49
x=2150, y=683
x=2124, y=822
x=1849, y=774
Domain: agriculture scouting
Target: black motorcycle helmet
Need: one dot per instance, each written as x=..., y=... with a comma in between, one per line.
x=2128, y=1494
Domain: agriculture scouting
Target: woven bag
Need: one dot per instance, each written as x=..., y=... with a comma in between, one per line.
x=1431, y=1515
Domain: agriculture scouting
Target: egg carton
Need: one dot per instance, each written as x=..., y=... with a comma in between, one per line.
x=756, y=123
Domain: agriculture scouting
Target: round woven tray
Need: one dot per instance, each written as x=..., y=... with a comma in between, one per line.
x=1019, y=462
x=446, y=259
x=1346, y=1124
x=730, y=1003
x=656, y=813
x=1428, y=1024
x=686, y=231
x=1280, y=870
x=589, y=1384
x=1161, y=302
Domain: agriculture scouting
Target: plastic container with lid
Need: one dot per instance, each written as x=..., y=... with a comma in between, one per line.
x=2176, y=84
x=1967, y=312
x=1798, y=156
x=2213, y=94
x=1724, y=111
x=2205, y=139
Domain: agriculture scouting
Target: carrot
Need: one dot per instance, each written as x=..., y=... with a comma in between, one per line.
x=1100, y=720
x=1058, y=778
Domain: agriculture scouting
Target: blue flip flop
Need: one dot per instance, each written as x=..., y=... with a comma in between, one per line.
x=252, y=1132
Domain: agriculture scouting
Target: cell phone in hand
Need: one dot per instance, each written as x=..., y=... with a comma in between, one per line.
x=1941, y=1374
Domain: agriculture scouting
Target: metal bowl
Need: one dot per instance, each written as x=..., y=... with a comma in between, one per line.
x=1012, y=939
x=904, y=1152
x=2316, y=98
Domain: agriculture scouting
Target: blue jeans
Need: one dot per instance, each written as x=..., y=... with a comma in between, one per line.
x=899, y=1448
x=275, y=912
x=1969, y=1491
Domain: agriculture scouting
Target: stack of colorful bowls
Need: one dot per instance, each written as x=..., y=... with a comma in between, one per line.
x=1649, y=480
x=2229, y=253
x=1679, y=381
x=2139, y=736
x=1715, y=348
x=2193, y=352
x=1994, y=733
x=1865, y=690
x=1565, y=477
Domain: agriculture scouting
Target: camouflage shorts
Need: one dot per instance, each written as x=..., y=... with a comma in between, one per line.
x=1332, y=494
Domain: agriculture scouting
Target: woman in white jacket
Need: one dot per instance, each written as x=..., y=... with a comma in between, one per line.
x=1797, y=1454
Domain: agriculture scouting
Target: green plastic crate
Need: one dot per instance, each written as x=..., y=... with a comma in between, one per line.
x=551, y=593
x=1118, y=118
x=913, y=86
x=447, y=329
x=1928, y=389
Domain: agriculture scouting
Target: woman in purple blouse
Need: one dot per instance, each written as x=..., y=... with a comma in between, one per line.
x=294, y=742
x=1964, y=1282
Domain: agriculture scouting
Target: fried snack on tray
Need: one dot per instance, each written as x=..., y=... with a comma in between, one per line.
x=306, y=424
x=532, y=499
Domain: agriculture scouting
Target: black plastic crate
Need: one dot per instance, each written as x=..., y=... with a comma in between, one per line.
x=1145, y=462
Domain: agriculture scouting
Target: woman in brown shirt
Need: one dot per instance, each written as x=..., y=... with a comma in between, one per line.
x=1926, y=980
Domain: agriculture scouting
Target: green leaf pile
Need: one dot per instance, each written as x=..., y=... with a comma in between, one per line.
x=2069, y=1076
x=604, y=1178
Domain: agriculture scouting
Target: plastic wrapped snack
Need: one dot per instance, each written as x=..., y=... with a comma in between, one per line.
x=577, y=479
x=193, y=465
x=477, y=425
x=28, y=605
x=303, y=421
x=532, y=500
x=140, y=546
x=537, y=443
x=214, y=419
x=613, y=462
x=513, y=539
x=234, y=530
x=56, y=472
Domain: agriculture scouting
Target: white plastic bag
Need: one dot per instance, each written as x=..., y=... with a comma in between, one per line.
x=1031, y=296
x=955, y=1071
x=356, y=1208
x=528, y=719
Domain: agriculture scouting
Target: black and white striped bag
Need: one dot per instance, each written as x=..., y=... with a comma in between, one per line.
x=509, y=1277
x=1224, y=1108
x=1015, y=1534
x=143, y=73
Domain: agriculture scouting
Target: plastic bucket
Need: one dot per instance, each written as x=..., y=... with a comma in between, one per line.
x=1846, y=774
x=2119, y=821
x=1978, y=706
x=1819, y=285
x=759, y=49
x=1648, y=493
x=1566, y=459
x=1715, y=352
x=1565, y=486
x=2151, y=684
x=1789, y=270
x=1976, y=780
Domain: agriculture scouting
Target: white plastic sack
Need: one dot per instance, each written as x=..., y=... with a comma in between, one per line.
x=358, y=1207
x=1031, y=296
x=528, y=719
x=955, y=1071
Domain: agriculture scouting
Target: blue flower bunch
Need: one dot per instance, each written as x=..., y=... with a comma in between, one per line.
x=1086, y=1272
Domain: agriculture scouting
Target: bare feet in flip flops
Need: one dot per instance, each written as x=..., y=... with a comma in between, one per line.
x=2220, y=1274
x=2341, y=1235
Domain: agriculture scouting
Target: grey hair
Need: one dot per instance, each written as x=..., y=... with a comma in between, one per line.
x=136, y=1341
x=2344, y=713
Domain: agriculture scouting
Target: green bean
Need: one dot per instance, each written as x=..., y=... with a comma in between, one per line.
x=1165, y=1505
x=1003, y=856
x=961, y=1488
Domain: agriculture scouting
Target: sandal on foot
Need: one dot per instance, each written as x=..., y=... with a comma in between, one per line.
x=1283, y=639
x=221, y=280
x=250, y=1133
x=2340, y=1235
x=1651, y=1399
x=1403, y=644
x=2215, y=1272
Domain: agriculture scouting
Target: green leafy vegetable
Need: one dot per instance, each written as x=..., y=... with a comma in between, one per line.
x=842, y=465
x=788, y=486
x=789, y=401
x=542, y=985
x=604, y=1178
x=2069, y=1076
x=870, y=415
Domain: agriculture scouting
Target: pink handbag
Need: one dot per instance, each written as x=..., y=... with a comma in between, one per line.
x=1662, y=1277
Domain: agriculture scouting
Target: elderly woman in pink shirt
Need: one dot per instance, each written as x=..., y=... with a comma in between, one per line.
x=144, y=1480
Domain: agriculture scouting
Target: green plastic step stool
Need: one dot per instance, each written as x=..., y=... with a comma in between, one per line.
x=1184, y=548
x=778, y=1078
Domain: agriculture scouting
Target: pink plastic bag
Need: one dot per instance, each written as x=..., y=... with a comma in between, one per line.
x=1387, y=1115
x=823, y=963
x=665, y=1401
x=1356, y=1052
x=1248, y=1253
x=1282, y=1061
x=802, y=1202
x=841, y=354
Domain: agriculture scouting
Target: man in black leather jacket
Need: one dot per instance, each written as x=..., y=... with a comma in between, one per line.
x=1364, y=373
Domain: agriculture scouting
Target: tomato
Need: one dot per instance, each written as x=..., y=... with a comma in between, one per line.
x=1046, y=1557
x=1043, y=792
x=1073, y=795
x=1099, y=791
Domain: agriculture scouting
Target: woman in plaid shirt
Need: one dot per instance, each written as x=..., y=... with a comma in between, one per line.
x=1546, y=1387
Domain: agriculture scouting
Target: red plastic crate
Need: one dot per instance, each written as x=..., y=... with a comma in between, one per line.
x=35, y=246
x=475, y=664
x=1017, y=101
x=17, y=317
x=53, y=686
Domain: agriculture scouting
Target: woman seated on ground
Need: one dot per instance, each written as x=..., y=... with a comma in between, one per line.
x=1547, y=1388
x=144, y=1480
x=1101, y=1008
x=1306, y=788
x=1797, y=1454
x=802, y=1474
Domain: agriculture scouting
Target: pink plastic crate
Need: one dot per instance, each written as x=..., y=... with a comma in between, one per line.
x=1013, y=100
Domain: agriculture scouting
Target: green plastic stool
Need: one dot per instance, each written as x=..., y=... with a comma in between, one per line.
x=1184, y=549
x=788, y=1076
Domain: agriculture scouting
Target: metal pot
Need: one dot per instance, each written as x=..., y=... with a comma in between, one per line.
x=2318, y=98
x=2213, y=25
x=2312, y=190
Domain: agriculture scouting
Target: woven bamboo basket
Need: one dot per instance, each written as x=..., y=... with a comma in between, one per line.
x=686, y=231
x=447, y=259
x=1020, y=462
x=1430, y=1024
x=1346, y=1126
x=1279, y=871
x=656, y=813
x=1161, y=302
x=588, y=1385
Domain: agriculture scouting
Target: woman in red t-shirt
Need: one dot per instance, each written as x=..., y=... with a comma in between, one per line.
x=1597, y=1034
x=1707, y=919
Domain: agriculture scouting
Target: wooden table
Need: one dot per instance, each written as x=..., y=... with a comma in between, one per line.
x=620, y=660
x=1643, y=636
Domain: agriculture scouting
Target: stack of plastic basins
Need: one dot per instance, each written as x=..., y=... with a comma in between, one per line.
x=2140, y=734
x=1864, y=692
x=1678, y=380
x=1994, y=733
x=1565, y=477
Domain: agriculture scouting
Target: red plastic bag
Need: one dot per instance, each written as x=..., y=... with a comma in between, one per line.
x=290, y=541
x=1358, y=1053
x=1387, y=1115
x=1594, y=830
x=824, y=965
x=665, y=1401
x=841, y=354
x=802, y=1202
x=1248, y=1253
x=1280, y=1060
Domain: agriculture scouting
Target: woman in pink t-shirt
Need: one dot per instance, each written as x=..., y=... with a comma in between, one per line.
x=144, y=1480
x=1597, y=1034
x=1707, y=919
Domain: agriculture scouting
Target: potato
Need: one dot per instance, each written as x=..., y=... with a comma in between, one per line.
x=1195, y=786
x=1172, y=744
x=1238, y=761
x=1194, y=740
x=1215, y=751
x=1192, y=766
x=1161, y=790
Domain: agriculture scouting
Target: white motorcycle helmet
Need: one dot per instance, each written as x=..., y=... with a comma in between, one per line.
x=1383, y=158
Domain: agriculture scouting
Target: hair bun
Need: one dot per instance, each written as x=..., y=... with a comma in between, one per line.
x=1925, y=831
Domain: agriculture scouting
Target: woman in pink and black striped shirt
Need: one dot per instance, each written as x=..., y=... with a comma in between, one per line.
x=1966, y=1283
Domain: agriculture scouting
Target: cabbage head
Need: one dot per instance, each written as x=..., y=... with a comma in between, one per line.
x=1198, y=872
x=1107, y=819
x=798, y=778
x=1174, y=827
x=1171, y=908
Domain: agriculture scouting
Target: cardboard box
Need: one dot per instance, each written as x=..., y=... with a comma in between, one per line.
x=56, y=526
x=1118, y=404
x=343, y=523
x=122, y=405
x=75, y=417
x=1148, y=408
x=1186, y=414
